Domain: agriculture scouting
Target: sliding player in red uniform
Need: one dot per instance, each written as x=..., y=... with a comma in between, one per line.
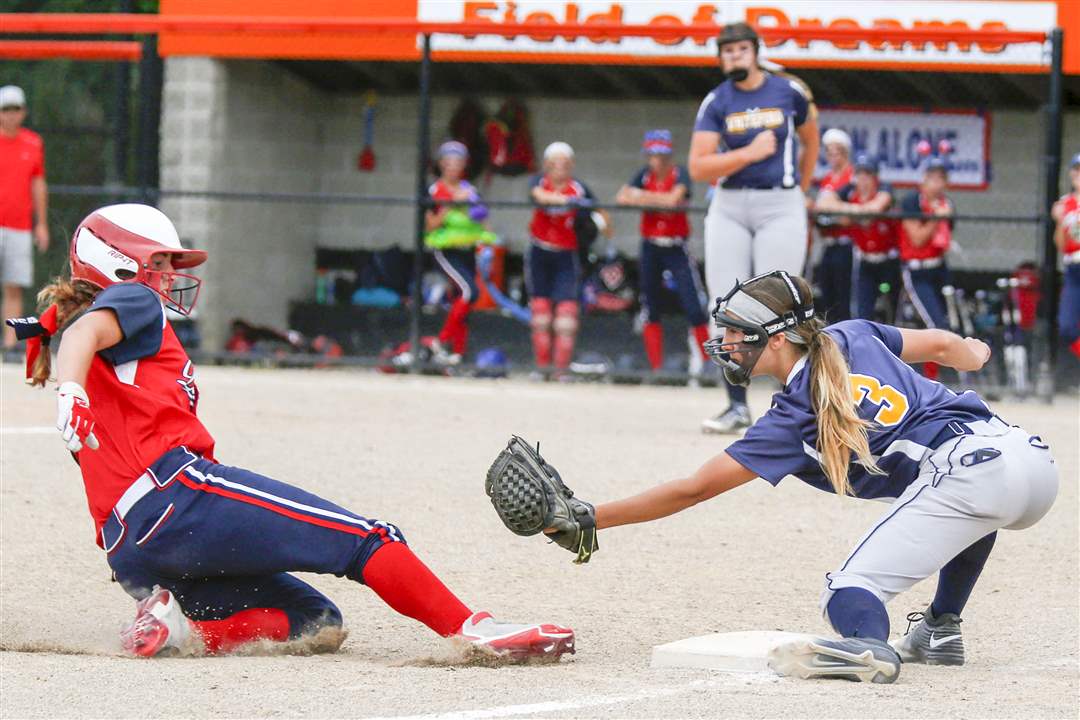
x=664, y=235
x=206, y=549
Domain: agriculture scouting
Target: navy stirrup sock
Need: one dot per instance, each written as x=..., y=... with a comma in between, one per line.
x=736, y=394
x=958, y=577
x=855, y=612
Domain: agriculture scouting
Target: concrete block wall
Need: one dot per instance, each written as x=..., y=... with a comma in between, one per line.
x=243, y=126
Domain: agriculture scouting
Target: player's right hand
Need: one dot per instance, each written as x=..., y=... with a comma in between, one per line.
x=74, y=418
x=980, y=354
x=763, y=145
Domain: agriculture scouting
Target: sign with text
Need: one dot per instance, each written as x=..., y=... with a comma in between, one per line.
x=903, y=140
x=850, y=14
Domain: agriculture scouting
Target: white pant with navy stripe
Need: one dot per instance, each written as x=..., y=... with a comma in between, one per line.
x=967, y=488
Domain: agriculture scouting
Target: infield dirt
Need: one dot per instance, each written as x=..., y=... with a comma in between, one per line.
x=413, y=451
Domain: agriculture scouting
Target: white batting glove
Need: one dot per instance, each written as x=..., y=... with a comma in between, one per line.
x=74, y=418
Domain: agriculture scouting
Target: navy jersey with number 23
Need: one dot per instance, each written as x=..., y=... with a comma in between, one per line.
x=910, y=414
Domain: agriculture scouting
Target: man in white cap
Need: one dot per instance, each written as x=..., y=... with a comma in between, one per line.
x=833, y=276
x=23, y=203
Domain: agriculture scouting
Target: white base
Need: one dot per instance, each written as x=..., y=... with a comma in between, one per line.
x=731, y=652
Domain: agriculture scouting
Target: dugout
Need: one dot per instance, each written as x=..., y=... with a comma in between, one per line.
x=259, y=133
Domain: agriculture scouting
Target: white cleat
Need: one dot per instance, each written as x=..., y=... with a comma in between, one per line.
x=856, y=659
x=159, y=623
x=517, y=640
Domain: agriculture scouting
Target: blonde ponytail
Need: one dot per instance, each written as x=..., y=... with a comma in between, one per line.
x=70, y=298
x=841, y=432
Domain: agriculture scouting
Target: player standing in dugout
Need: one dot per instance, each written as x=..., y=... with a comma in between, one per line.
x=756, y=133
x=664, y=184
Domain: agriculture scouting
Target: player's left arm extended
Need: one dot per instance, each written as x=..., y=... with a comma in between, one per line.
x=945, y=348
x=718, y=475
x=810, y=144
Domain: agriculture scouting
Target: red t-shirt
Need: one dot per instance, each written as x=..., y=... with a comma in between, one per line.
x=142, y=392
x=875, y=236
x=835, y=182
x=1071, y=222
x=939, y=241
x=554, y=224
x=663, y=224
x=22, y=158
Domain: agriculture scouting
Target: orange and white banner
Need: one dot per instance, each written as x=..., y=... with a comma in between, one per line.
x=1016, y=15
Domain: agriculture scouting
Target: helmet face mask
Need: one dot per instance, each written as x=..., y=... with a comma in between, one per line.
x=733, y=33
x=741, y=312
x=118, y=243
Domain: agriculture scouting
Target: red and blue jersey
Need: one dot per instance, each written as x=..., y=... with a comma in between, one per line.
x=781, y=104
x=439, y=190
x=835, y=182
x=939, y=241
x=663, y=224
x=553, y=225
x=1071, y=222
x=876, y=236
x=910, y=417
x=143, y=394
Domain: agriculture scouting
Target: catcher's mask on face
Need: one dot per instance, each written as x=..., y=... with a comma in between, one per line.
x=741, y=312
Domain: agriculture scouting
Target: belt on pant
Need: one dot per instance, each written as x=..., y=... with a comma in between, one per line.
x=725, y=186
x=666, y=241
x=159, y=475
x=1072, y=258
x=927, y=264
x=831, y=240
x=550, y=247
x=957, y=429
x=879, y=257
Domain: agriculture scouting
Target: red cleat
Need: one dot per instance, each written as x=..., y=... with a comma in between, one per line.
x=517, y=640
x=159, y=624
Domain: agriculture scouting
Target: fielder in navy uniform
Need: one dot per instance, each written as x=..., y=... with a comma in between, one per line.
x=853, y=418
x=757, y=133
x=663, y=184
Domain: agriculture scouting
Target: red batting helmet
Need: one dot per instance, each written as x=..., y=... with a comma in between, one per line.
x=115, y=244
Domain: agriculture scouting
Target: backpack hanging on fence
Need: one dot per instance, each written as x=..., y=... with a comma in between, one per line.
x=509, y=140
x=467, y=127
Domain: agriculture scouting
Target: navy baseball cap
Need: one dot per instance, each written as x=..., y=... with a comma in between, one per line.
x=1075, y=162
x=863, y=161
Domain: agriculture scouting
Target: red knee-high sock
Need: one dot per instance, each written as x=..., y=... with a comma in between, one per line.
x=564, y=351
x=409, y=587
x=455, y=330
x=541, y=342
x=222, y=636
x=701, y=334
x=653, y=336
x=930, y=370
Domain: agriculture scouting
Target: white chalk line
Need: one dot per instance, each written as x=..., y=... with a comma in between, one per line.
x=28, y=430
x=555, y=706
